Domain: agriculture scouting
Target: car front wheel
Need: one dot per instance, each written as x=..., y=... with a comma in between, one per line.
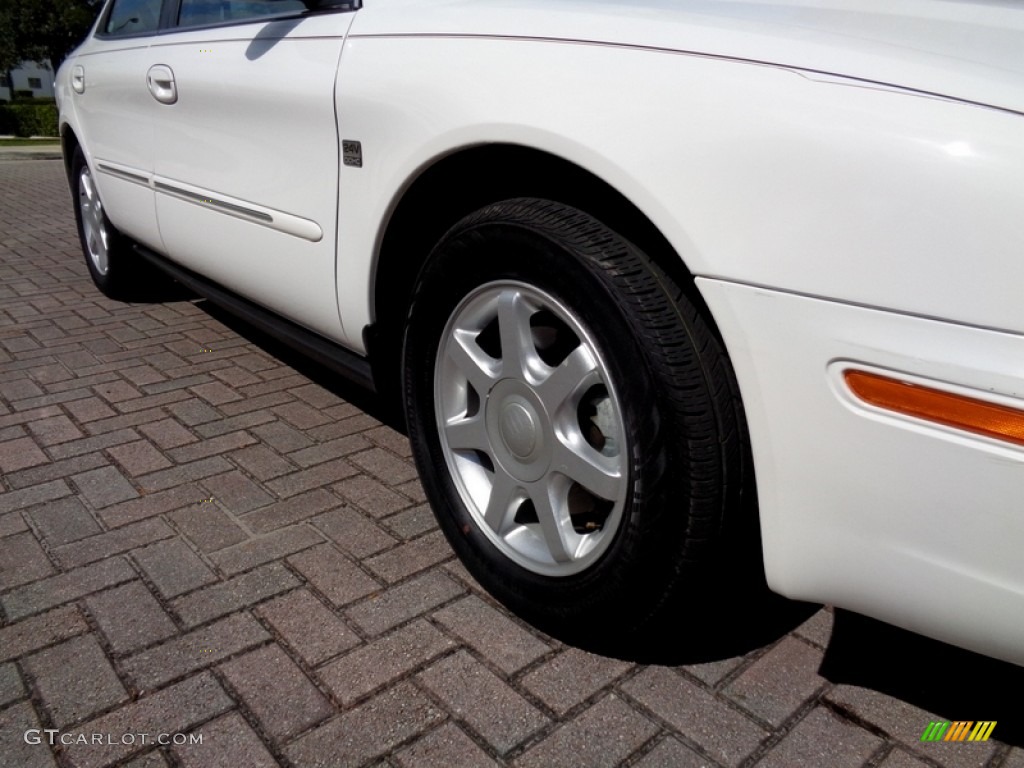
x=574, y=419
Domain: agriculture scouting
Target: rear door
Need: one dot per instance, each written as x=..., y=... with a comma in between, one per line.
x=246, y=150
x=115, y=114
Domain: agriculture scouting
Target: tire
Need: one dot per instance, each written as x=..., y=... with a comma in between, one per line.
x=115, y=268
x=592, y=454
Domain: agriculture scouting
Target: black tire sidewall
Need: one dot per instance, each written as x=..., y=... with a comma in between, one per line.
x=619, y=584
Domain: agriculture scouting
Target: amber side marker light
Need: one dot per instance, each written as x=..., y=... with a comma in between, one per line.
x=922, y=402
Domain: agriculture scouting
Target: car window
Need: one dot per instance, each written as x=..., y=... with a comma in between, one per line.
x=201, y=12
x=132, y=17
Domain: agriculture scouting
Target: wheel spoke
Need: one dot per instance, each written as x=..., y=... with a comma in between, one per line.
x=600, y=475
x=518, y=353
x=575, y=374
x=504, y=491
x=468, y=434
x=476, y=365
x=555, y=524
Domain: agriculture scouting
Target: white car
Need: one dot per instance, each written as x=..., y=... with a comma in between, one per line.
x=621, y=262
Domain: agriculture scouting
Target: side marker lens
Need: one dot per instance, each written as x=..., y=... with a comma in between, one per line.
x=946, y=408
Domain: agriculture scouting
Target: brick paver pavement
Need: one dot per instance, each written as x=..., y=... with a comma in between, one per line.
x=196, y=538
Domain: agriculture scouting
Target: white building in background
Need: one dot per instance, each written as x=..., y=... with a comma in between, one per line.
x=30, y=76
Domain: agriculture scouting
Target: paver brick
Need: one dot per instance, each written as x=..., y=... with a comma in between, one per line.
x=55, y=429
x=195, y=650
x=231, y=595
x=277, y=692
x=356, y=737
x=174, y=567
x=103, y=487
x=410, y=557
x=211, y=446
x=139, y=457
x=571, y=677
x=900, y=759
x=151, y=504
x=193, y=411
x=175, y=709
x=15, y=725
x=130, y=617
x=236, y=492
x=491, y=634
x=75, y=680
x=672, y=753
x=95, y=443
x=479, y=698
x=340, y=580
x=308, y=626
x=206, y=526
x=905, y=722
x=817, y=629
x=65, y=587
x=11, y=523
x=22, y=560
x=243, y=421
x=727, y=735
x=261, y=462
x=378, y=663
x=255, y=403
x=300, y=415
x=388, y=438
x=332, y=449
x=280, y=543
x=119, y=540
x=604, y=735
x=413, y=522
x=19, y=454
x=385, y=466
x=183, y=473
x=37, y=494
x=282, y=437
x=167, y=433
x=821, y=738
x=314, y=477
x=40, y=631
x=290, y=511
x=353, y=532
x=779, y=683
x=398, y=604
x=11, y=686
x=444, y=747
x=228, y=742
x=55, y=470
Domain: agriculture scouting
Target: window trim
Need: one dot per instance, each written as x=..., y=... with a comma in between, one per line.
x=167, y=22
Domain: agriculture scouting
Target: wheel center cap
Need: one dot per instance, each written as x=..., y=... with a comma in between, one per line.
x=518, y=424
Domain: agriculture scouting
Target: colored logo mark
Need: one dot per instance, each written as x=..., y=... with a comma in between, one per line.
x=959, y=730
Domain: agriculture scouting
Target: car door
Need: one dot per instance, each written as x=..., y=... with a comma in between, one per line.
x=116, y=114
x=246, y=150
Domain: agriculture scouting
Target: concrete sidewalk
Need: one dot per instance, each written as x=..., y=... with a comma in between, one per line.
x=198, y=540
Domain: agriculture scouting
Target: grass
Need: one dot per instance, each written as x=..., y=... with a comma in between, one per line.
x=29, y=142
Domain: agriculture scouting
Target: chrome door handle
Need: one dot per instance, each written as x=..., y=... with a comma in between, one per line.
x=160, y=80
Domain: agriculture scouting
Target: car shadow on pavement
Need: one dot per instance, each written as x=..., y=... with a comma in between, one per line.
x=321, y=375
x=953, y=683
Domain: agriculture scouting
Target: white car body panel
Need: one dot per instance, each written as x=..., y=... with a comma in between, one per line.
x=899, y=518
x=844, y=181
x=283, y=160
x=116, y=116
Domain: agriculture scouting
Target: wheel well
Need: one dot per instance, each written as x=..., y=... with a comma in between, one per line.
x=68, y=143
x=461, y=183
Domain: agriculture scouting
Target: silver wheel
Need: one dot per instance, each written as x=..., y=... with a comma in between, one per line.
x=531, y=428
x=96, y=235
